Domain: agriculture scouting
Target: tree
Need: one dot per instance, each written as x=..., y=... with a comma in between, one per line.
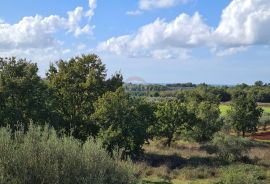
x=258, y=83
x=203, y=107
x=244, y=113
x=22, y=93
x=123, y=121
x=75, y=85
x=171, y=117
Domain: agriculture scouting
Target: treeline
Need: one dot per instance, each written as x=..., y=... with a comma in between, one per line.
x=260, y=91
x=77, y=98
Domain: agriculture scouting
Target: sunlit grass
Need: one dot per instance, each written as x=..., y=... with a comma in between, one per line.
x=224, y=108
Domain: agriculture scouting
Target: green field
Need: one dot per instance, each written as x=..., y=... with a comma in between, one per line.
x=224, y=108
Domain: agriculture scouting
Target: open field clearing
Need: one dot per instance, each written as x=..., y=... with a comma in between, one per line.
x=225, y=107
x=189, y=163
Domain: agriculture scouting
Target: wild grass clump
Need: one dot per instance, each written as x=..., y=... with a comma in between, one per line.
x=40, y=156
x=242, y=174
x=229, y=148
x=191, y=173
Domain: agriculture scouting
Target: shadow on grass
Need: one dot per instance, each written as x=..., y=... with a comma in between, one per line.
x=175, y=161
x=156, y=182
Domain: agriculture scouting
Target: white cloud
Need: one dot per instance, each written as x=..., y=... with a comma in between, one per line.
x=30, y=32
x=160, y=37
x=152, y=4
x=243, y=23
x=36, y=34
x=92, y=7
x=136, y=12
x=229, y=51
x=145, y=5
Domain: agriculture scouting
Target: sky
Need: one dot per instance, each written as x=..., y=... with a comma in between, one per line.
x=160, y=41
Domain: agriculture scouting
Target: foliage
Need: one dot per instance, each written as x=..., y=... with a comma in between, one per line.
x=172, y=116
x=229, y=147
x=123, y=121
x=242, y=174
x=204, y=108
x=244, y=113
x=39, y=156
x=22, y=93
x=75, y=85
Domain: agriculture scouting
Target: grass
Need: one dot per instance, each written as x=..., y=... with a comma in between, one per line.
x=188, y=163
x=225, y=107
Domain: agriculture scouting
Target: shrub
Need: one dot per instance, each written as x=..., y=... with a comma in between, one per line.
x=229, y=147
x=242, y=174
x=39, y=156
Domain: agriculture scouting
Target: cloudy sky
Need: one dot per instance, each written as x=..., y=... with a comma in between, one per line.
x=161, y=41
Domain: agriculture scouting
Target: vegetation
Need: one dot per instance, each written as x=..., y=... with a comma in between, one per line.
x=244, y=113
x=242, y=174
x=172, y=118
x=40, y=156
x=122, y=122
x=229, y=148
x=98, y=124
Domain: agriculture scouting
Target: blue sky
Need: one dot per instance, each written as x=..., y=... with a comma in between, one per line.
x=161, y=41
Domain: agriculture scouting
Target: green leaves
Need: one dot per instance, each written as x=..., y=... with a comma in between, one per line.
x=244, y=114
x=75, y=85
x=123, y=121
x=22, y=91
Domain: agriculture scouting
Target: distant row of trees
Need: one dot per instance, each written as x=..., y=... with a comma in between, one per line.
x=260, y=91
x=77, y=98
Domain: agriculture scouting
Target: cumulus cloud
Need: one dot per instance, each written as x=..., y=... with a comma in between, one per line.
x=37, y=34
x=159, y=37
x=243, y=23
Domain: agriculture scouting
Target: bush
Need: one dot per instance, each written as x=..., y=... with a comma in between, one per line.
x=39, y=156
x=229, y=147
x=242, y=174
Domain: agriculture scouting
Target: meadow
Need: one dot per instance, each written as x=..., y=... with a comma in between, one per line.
x=189, y=163
x=225, y=107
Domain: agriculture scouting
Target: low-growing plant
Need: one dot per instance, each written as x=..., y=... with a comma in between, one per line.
x=242, y=174
x=40, y=156
x=229, y=148
x=201, y=172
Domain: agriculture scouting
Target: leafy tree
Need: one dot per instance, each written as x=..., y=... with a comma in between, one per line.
x=75, y=85
x=258, y=83
x=22, y=93
x=203, y=106
x=172, y=116
x=244, y=113
x=123, y=121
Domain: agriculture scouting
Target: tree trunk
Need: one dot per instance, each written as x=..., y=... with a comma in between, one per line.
x=169, y=141
x=243, y=133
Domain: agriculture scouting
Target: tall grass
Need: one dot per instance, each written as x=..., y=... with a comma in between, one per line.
x=40, y=156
